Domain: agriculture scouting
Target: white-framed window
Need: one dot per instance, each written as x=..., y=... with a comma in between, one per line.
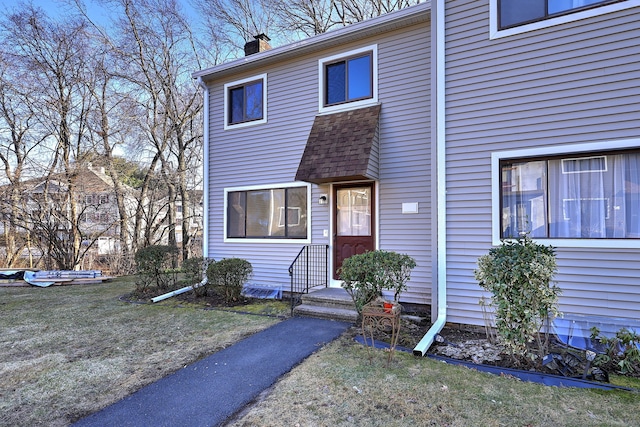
x=510, y=17
x=274, y=213
x=245, y=102
x=348, y=80
x=583, y=195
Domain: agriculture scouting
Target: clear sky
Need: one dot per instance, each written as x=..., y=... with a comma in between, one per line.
x=56, y=8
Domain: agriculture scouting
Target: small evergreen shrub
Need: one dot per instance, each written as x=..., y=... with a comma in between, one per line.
x=621, y=353
x=228, y=276
x=366, y=275
x=518, y=274
x=154, y=268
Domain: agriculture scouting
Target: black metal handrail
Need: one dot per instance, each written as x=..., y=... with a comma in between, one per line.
x=309, y=269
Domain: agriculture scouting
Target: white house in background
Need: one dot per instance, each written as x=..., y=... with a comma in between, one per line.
x=437, y=131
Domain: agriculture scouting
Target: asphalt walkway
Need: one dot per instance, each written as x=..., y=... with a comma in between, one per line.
x=211, y=390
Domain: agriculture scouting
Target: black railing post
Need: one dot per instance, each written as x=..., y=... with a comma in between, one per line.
x=314, y=268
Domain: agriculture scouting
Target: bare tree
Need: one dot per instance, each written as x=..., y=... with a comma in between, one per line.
x=157, y=51
x=236, y=21
x=18, y=142
x=288, y=20
x=306, y=17
x=54, y=53
x=352, y=11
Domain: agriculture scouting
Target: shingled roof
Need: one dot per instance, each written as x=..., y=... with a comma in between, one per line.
x=342, y=147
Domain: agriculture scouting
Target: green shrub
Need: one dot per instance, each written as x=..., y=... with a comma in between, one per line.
x=622, y=354
x=518, y=274
x=194, y=270
x=366, y=275
x=154, y=268
x=228, y=276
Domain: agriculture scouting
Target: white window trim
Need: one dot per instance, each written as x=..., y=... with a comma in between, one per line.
x=267, y=240
x=229, y=85
x=355, y=104
x=494, y=33
x=548, y=151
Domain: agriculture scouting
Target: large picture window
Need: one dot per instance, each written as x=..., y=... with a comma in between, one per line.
x=267, y=213
x=245, y=102
x=590, y=196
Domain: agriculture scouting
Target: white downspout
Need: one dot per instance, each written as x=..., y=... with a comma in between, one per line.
x=205, y=172
x=441, y=188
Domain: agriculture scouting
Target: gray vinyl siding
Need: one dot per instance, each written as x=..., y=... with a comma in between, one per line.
x=572, y=83
x=270, y=153
x=405, y=157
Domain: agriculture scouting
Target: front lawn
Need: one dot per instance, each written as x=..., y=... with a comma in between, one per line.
x=67, y=351
x=339, y=387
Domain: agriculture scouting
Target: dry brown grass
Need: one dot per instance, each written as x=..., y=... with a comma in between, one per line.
x=339, y=387
x=68, y=351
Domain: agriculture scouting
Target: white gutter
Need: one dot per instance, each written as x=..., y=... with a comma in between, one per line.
x=441, y=187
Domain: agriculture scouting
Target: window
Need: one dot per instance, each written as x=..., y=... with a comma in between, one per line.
x=104, y=199
x=518, y=12
x=88, y=199
x=245, y=102
x=348, y=80
x=101, y=217
x=267, y=213
x=572, y=197
x=509, y=17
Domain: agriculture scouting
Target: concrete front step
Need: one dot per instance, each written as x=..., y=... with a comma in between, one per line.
x=329, y=297
x=321, y=312
x=328, y=303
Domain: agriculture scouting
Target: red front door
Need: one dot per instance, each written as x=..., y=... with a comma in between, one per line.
x=353, y=222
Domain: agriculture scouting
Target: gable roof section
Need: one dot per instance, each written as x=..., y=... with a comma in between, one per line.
x=411, y=15
x=342, y=147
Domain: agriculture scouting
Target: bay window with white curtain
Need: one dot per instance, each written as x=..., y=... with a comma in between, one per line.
x=586, y=196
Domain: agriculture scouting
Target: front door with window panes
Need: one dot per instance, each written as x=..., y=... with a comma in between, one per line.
x=354, y=222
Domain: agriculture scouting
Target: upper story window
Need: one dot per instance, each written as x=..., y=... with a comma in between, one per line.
x=570, y=196
x=268, y=212
x=245, y=102
x=518, y=12
x=510, y=17
x=348, y=80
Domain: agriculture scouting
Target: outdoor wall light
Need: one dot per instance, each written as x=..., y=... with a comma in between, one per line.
x=323, y=200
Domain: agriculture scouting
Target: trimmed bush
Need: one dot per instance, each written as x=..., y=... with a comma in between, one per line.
x=154, y=268
x=228, y=276
x=194, y=269
x=366, y=275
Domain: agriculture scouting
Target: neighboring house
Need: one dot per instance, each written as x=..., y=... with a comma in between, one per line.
x=98, y=216
x=436, y=131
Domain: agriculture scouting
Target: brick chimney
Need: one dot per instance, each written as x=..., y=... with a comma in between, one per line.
x=259, y=44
